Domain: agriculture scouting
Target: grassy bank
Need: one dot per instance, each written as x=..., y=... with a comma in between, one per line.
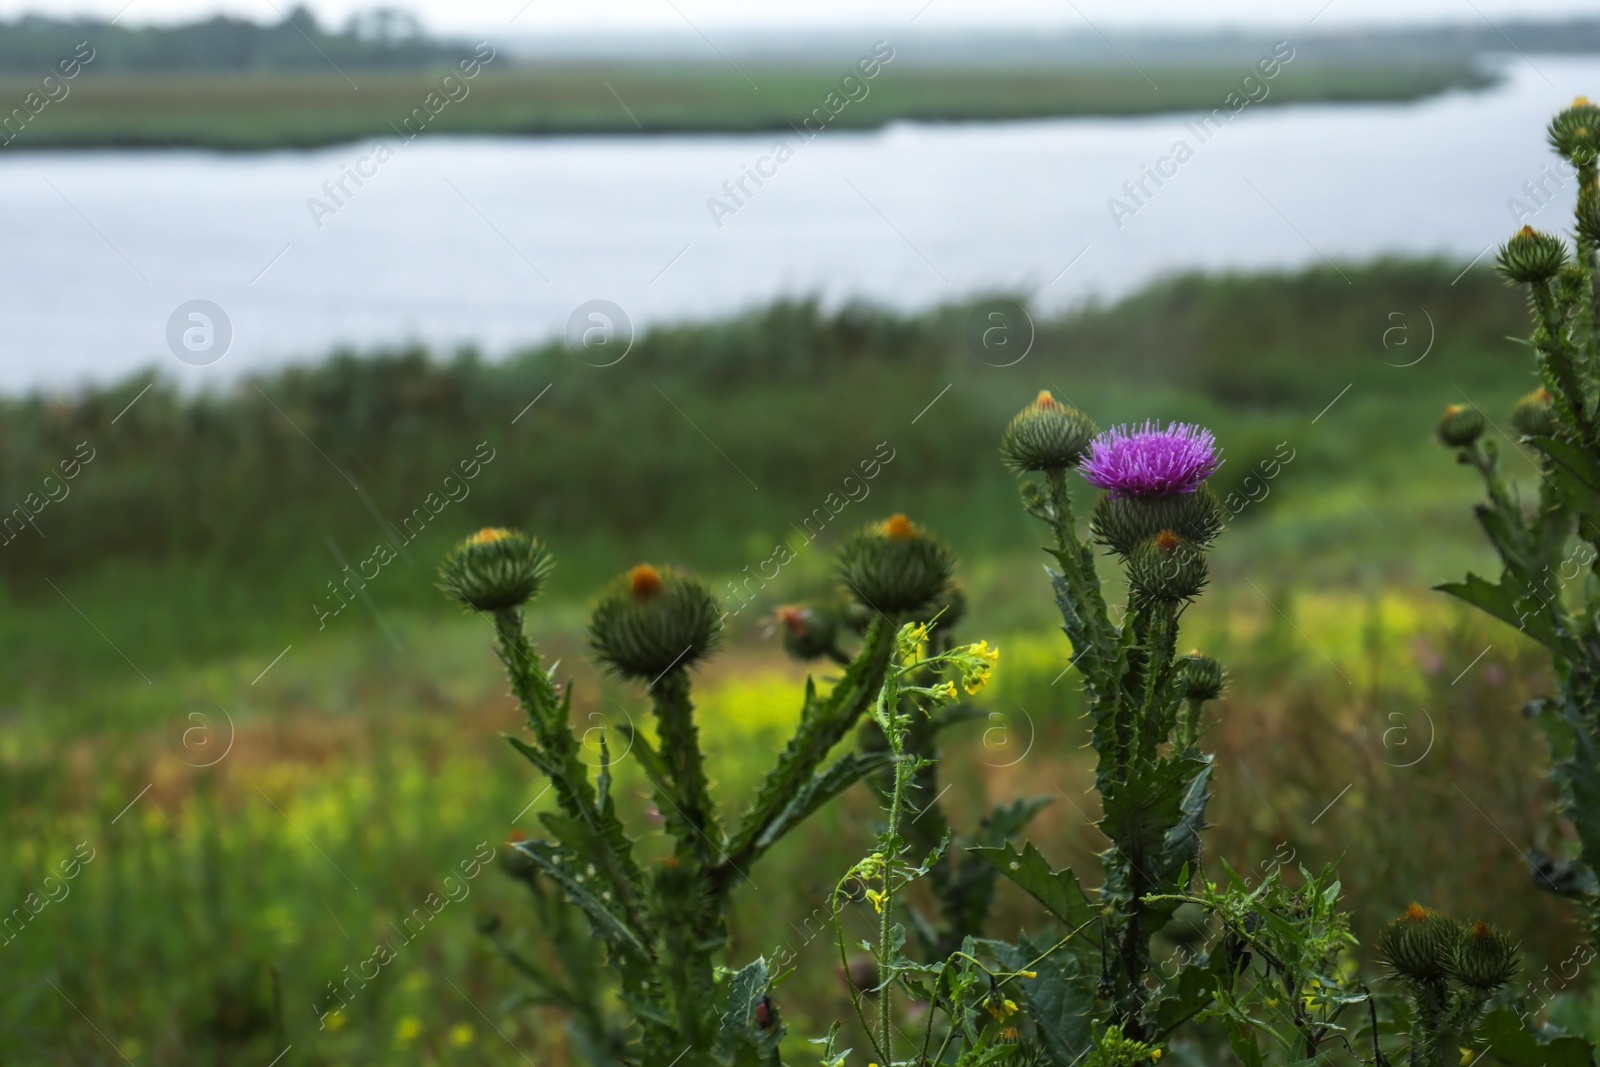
x=264, y=111
x=211, y=526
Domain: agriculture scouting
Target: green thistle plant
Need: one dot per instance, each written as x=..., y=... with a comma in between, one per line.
x=1547, y=589
x=495, y=569
x=896, y=566
x=1449, y=972
x=1531, y=257
x=1046, y=435
x=1460, y=426
x=652, y=621
x=653, y=938
x=1534, y=415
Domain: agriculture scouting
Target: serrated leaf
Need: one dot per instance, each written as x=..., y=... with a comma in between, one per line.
x=1155, y=820
x=1575, y=470
x=1058, y=891
x=602, y=919
x=1501, y=602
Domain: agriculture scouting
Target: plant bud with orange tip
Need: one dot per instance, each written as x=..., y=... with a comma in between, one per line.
x=1531, y=257
x=1168, y=568
x=1203, y=676
x=1575, y=132
x=1535, y=415
x=495, y=569
x=654, y=620
x=809, y=632
x=1420, y=944
x=1460, y=426
x=1046, y=435
x=895, y=566
x=1484, y=958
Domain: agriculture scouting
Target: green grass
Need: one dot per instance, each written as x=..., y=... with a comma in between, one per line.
x=249, y=112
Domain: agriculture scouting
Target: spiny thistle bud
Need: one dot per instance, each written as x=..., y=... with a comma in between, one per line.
x=1420, y=944
x=1168, y=567
x=495, y=569
x=1575, y=132
x=1484, y=958
x=1046, y=435
x=1460, y=426
x=895, y=566
x=1531, y=256
x=1122, y=523
x=1203, y=676
x=1535, y=415
x=652, y=621
x=809, y=632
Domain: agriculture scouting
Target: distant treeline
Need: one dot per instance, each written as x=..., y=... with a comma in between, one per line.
x=383, y=38
x=356, y=450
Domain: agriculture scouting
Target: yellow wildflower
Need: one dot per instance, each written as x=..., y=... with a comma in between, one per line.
x=461, y=1035
x=876, y=899
x=409, y=1030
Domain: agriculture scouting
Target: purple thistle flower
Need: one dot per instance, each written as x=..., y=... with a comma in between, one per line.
x=1150, y=461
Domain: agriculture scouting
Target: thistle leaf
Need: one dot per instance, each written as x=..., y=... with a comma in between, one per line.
x=1058, y=891
x=1501, y=602
x=605, y=922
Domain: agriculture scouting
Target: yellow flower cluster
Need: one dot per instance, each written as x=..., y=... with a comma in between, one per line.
x=976, y=663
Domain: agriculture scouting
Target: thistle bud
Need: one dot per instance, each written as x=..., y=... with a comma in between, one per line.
x=809, y=632
x=894, y=566
x=1531, y=256
x=1575, y=132
x=1535, y=415
x=1484, y=958
x=1046, y=435
x=1202, y=676
x=652, y=621
x=1460, y=426
x=495, y=569
x=1168, y=567
x=1420, y=944
x=1122, y=523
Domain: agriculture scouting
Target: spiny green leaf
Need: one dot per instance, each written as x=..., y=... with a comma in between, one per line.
x=1058, y=891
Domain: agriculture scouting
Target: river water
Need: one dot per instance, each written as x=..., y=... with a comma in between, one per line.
x=496, y=241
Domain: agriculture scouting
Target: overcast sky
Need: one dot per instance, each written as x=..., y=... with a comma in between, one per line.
x=487, y=16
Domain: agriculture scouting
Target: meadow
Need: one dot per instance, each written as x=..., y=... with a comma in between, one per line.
x=299, y=109
x=269, y=786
